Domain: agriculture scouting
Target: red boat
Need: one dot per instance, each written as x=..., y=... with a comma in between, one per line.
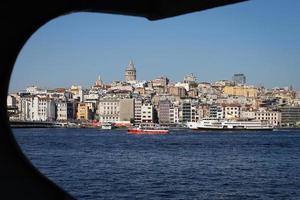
x=148, y=130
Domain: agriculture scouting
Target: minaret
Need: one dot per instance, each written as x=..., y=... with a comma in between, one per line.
x=130, y=72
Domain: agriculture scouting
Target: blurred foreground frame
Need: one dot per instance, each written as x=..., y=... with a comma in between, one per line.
x=19, y=179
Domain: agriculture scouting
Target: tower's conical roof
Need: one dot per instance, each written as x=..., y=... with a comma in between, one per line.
x=130, y=66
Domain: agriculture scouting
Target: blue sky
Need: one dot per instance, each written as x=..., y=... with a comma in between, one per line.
x=260, y=38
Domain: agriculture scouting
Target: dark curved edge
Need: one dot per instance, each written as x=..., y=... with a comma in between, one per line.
x=19, y=179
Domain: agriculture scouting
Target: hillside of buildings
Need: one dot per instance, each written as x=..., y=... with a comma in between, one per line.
x=160, y=100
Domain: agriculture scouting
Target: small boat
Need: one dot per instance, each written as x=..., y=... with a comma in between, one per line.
x=107, y=125
x=149, y=129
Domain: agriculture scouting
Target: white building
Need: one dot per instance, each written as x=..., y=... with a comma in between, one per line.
x=195, y=115
x=248, y=114
x=216, y=111
x=92, y=100
x=138, y=111
x=262, y=114
x=223, y=83
x=147, y=113
x=77, y=92
x=140, y=84
x=35, y=90
x=273, y=117
x=109, y=110
x=65, y=111
x=190, y=78
x=42, y=109
x=225, y=111
x=231, y=111
x=25, y=107
x=174, y=114
x=11, y=101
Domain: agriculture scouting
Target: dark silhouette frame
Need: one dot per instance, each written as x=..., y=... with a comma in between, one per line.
x=19, y=179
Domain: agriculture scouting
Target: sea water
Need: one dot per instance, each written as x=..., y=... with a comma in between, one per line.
x=111, y=164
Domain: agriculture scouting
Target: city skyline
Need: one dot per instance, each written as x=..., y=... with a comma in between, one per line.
x=172, y=82
x=213, y=45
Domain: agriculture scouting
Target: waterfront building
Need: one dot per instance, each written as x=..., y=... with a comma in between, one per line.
x=12, y=109
x=164, y=112
x=239, y=79
x=263, y=114
x=273, y=117
x=186, y=111
x=248, y=114
x=245, y=91
x=43, y=109
x=11, y=101
x=203, y=111
x=25, y=106
x=126, y=110
x=84, y=112
x=109, y=109
x=290, y=115
x=216, y=111
x=130, y=72
x=65, y=111
x=174, y=114
x=194, y=112
x=147, y=111
x=231, y=111
x=138, y=110
x=92, y=107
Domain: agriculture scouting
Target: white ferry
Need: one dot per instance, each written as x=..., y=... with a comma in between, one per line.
x=223, y=124
x=107, y=125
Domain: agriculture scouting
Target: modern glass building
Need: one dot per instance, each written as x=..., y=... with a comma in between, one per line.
x=239, y=79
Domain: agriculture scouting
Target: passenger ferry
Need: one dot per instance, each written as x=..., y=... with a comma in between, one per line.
x=224, y=124
x=149, y=129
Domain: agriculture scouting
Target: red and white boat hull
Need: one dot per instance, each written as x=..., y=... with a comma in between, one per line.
x=139, y=131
